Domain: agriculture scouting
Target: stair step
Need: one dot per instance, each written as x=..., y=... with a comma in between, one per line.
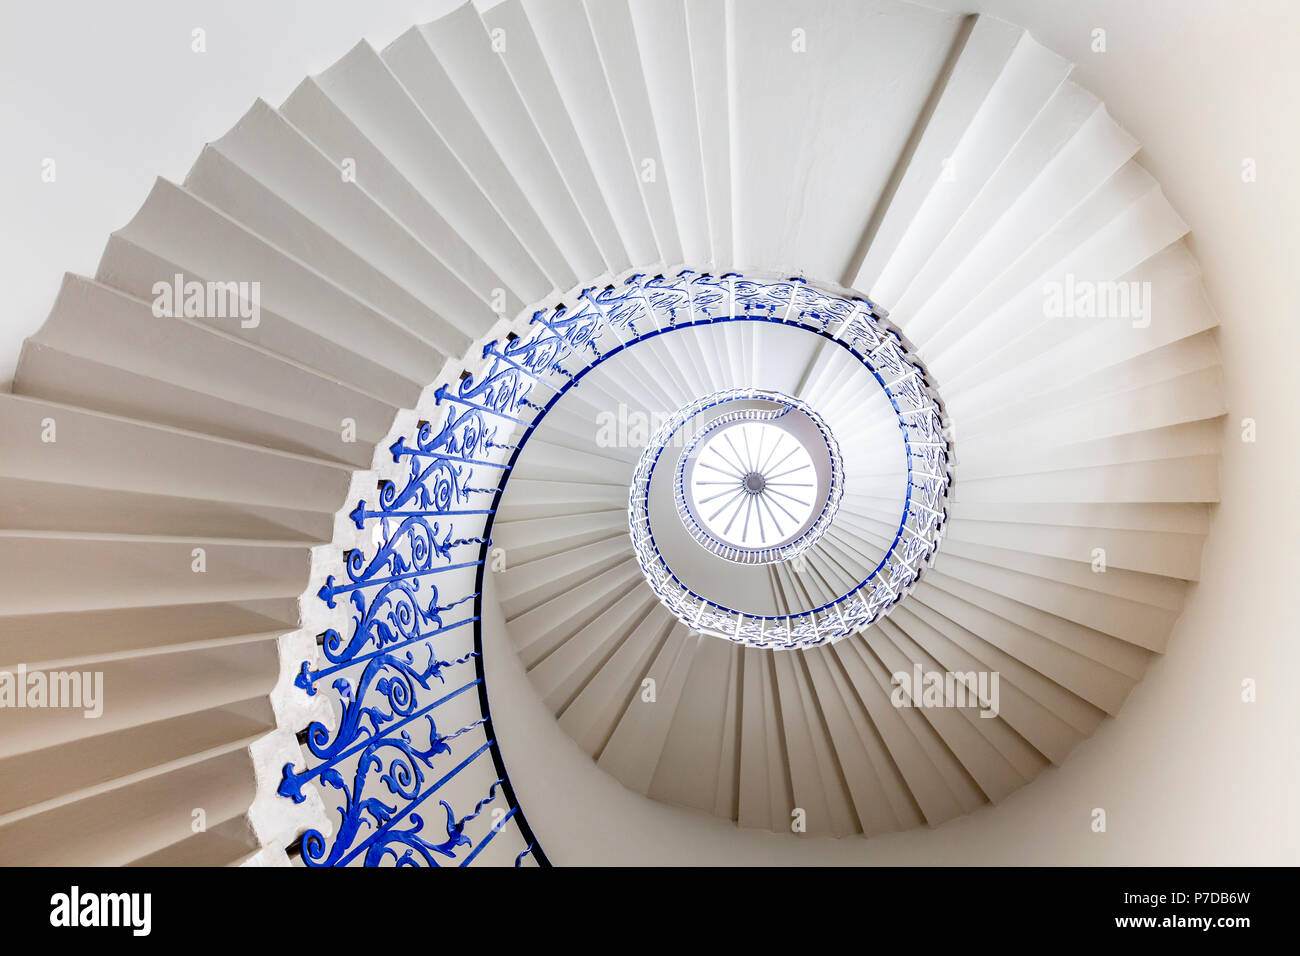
x=133, y=822
x=227, y=844
x=269, y=147
x=63, y=772
x=426, y=81
x=555, y=61
x=66, y=638
x=142, y=690
x=114, y=572
x=375, y=102
x=208, y=245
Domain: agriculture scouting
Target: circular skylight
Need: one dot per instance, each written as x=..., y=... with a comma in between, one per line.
x=753, y=485
x=761, y=478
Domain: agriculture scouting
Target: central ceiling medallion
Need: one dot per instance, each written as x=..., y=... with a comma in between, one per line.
x=760, y=481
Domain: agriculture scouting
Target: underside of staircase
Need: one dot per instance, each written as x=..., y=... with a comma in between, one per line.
x=176, y=490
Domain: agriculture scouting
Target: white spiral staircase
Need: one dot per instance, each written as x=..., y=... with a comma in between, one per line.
x=404, y=209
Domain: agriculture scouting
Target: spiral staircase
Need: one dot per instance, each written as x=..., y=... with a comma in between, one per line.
x=494, y=258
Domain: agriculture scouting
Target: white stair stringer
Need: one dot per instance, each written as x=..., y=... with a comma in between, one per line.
x=407, y=207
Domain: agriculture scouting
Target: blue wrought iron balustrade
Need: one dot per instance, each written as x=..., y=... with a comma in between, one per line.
x=403, y=666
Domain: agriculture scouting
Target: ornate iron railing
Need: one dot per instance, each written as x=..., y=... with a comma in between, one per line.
x=403, y=662
x=413, y=722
